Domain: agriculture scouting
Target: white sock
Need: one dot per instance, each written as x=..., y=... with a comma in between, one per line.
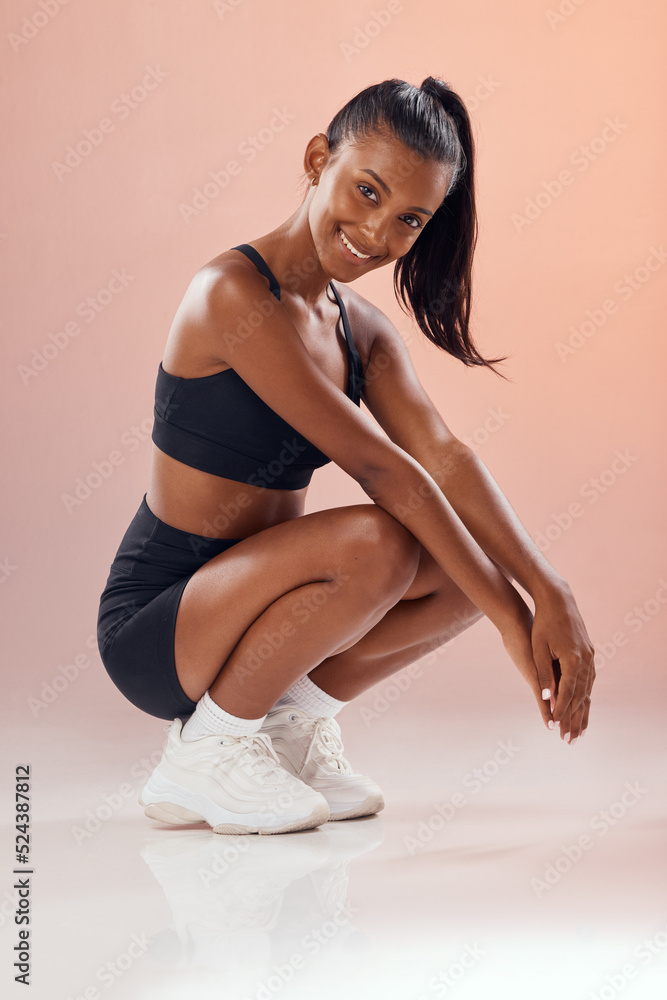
x=311, y=699
x=208, y=719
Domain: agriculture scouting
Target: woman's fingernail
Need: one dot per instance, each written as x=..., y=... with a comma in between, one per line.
x=546, y=693
x=566, y=737
x=551, y=723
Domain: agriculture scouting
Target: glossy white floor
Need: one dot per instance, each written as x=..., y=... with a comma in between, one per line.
x=504, y=864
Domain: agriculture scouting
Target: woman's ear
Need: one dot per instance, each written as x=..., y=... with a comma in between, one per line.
x=316, y=155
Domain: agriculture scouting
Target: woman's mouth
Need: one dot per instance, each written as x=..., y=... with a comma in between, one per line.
x=350, y=252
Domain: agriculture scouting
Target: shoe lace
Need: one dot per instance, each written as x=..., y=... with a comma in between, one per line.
x=326, y=740
x=257, y=752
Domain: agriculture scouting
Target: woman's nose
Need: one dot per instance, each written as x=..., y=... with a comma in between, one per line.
x=374, y=237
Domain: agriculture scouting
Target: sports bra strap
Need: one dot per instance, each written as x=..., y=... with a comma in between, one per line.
x=261, y=265
x=356, y=366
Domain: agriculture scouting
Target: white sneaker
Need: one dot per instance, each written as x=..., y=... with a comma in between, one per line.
x=235, y=783
x=312, y=750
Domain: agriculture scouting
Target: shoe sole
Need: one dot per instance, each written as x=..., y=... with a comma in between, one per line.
x=164, y=800
x=169, y=812
x=373, y=804
x=319, y=815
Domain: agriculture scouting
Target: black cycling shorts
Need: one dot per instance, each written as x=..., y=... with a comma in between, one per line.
x=137, y=611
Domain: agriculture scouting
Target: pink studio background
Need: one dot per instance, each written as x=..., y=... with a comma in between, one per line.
x=575, y=441
x=537, y=92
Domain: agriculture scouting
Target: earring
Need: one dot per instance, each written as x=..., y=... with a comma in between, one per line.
x=314, y=181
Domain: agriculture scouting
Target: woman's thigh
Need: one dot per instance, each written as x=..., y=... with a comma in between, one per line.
x=361, y=550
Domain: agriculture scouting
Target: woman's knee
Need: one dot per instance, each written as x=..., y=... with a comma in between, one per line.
x=386, y=552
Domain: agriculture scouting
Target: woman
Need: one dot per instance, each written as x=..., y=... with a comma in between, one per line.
x=251, y=624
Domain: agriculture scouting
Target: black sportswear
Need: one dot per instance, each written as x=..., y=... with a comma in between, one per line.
x=218, y=424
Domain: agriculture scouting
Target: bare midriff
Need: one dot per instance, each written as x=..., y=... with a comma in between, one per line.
x=204, y=504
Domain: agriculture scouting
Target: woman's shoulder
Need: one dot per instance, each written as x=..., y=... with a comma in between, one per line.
x=357, y=307
x=193, y=349
x=225, y=281
x=228, y=266
x=367, y=321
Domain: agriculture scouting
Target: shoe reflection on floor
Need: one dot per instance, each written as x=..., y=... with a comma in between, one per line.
x=257, y=909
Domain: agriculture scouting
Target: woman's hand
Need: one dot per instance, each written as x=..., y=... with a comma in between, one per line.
x=517, y=641
x=552, y=651
x=559, y=634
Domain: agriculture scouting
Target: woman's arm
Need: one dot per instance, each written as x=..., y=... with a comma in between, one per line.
x=271, y=358
x=558, y=631
x=398, y=401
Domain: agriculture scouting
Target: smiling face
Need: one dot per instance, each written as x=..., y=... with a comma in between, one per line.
x=374, y=197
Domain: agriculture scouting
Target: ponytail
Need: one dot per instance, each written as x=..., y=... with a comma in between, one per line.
x=434, y=278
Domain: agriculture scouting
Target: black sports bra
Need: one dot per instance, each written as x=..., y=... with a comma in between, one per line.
x=216, y=423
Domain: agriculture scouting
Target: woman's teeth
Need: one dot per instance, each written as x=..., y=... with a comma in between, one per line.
x=357, y=253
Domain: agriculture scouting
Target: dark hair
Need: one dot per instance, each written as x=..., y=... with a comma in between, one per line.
x=434, y=278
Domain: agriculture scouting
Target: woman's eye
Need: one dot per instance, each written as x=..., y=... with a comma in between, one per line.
x=414, y=224
x=364, y=187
